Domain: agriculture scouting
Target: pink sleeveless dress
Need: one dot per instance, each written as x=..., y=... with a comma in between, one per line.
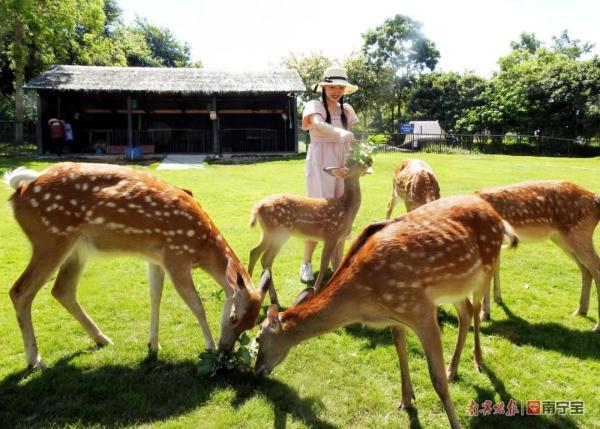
x=325, y=151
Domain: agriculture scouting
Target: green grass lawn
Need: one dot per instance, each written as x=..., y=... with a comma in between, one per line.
x=533, y=348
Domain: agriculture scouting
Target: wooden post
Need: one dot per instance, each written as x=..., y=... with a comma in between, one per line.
x=215, y=127
x=38, y=124
x=293, y=121
x=129, y=122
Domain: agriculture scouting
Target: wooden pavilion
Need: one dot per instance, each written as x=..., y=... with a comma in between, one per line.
x=169, y=110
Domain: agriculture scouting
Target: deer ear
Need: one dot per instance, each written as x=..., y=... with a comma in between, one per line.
x=337, y=171
x=266, y=280
x=273, y=317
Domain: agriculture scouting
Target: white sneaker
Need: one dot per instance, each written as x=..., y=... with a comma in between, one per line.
x=306, y=273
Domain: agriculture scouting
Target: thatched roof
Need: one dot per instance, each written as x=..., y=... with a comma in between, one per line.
x=165, y=80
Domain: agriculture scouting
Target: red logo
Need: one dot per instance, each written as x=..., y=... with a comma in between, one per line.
x=533, y=407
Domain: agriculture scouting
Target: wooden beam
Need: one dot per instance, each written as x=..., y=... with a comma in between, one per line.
x=246, y=111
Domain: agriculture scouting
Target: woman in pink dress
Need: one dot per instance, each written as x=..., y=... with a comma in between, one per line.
x=328, y=121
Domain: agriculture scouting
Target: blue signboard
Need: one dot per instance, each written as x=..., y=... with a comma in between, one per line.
x=407, y=128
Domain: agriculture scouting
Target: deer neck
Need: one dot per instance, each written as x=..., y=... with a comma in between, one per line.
x=352, y=196
x=324, y=313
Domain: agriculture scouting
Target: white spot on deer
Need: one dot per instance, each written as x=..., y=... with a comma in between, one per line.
x=37, y=189
x=84, y=186
x=46, y=196
x=203, y=236
x=191, y=233
x=54, y=230
x=98, y=221
x=400, y=309
x=33, y=202
x=95, y=188
x=387, y=297
x=400, y=285
x=121, y=210
x=111, y=204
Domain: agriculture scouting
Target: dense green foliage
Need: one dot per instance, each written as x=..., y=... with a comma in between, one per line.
x=533, y=347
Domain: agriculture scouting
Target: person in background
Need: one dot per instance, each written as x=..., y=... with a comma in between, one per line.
x=57, y=135
x=68, y=130
x=328, y=121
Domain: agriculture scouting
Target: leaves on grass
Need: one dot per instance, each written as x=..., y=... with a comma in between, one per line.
x=212, y=361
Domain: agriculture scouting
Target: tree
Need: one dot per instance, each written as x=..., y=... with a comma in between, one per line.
x=310, y=67
x=444, y=97
x=373, y=86
x=166, y=49
x=399, y=47
x=549, y=89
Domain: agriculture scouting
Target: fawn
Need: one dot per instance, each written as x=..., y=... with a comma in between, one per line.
x=330, y=220
x=72, y=210
x=415, y=183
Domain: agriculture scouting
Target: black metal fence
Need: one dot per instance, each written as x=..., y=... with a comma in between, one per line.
x=7, y=139
x=508, y=144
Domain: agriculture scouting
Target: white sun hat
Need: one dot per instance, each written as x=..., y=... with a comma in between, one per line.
x=335, y=76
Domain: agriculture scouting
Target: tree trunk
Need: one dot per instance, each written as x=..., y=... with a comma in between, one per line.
x=19, y=78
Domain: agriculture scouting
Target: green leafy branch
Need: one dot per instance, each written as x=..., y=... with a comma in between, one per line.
x=212, y=361
x=362, y=151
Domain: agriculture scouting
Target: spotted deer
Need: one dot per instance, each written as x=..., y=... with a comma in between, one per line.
x=415, y=183
x=562, y=211
x=72, y=210
x=330, y=220
x=395, y=274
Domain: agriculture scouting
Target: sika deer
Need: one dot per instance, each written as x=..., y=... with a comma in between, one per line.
x=330, y=220
x=395, y=274
x=415, y=183
x=70, y=210
x=562, y=211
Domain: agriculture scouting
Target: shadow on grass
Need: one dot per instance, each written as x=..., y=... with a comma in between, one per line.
x=517, y=421
x=154, y=391
x=547, y=336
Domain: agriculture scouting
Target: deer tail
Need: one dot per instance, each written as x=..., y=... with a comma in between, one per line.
x=511, y=240
x=19, y=177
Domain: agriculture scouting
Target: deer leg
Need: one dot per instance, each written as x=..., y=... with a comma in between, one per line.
x=497, y=291
x=65, y=292
x=267, y=262
x=428, y=332
x=258, y=250
x=477, y=297
x=328, y=248
x=399, y=337
x=156, y=280
x=43, y=262
x=486, y=309
x=338, y=253
x=392, y=203
x=465, y=314
x=184, y=284
x=580, y=247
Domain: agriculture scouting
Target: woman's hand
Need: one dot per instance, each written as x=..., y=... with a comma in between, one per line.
x=347, y=137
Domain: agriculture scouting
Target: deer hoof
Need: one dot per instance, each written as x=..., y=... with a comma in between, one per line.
x=39, y=364
x=102, y=340
x=580, y=312
x=405, y=404
x=451, y=375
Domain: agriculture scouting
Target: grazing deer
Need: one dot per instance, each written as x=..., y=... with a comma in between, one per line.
x=415, y=183
x=562, y=211
x=71, y=210
x=330, y=220
x=395, y=274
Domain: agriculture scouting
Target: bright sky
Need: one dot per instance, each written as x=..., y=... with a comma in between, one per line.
x=256, y=34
